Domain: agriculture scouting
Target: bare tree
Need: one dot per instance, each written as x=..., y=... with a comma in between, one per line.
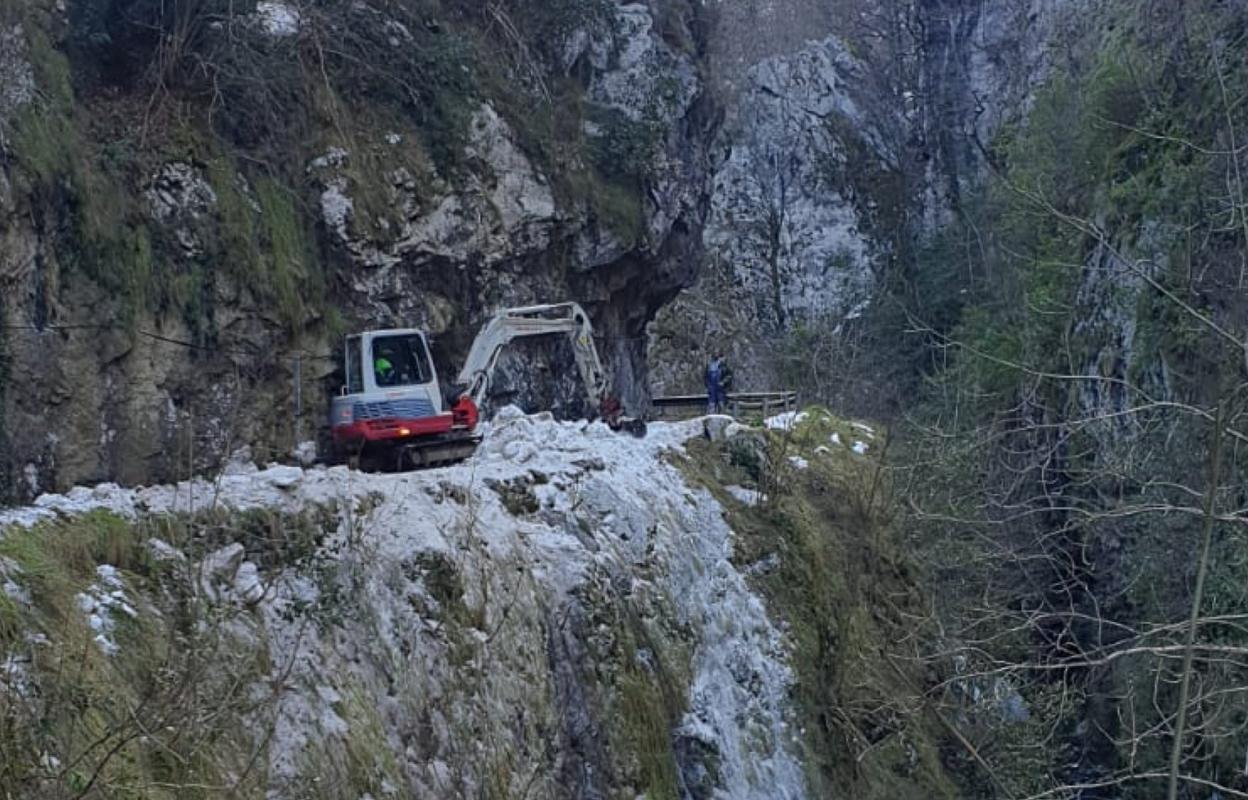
x=1083, y=531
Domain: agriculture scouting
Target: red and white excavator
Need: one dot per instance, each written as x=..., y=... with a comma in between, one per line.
x=392, y=414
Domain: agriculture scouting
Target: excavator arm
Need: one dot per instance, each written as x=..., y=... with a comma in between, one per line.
x=516, y=323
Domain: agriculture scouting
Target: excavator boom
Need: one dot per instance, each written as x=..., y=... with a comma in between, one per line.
x=516, y=323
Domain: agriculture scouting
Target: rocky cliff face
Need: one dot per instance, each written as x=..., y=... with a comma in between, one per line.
x=196, y=203
x=852, y=133
x=175, y=288
x=789, y=154
x=439, y=165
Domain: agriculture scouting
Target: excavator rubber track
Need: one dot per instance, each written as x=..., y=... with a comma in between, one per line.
x=409, y=456
x=427, y=455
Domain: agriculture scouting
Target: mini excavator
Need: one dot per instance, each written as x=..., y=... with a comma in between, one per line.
x=392, y=413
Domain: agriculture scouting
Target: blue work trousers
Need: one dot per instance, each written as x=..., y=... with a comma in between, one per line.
x=716, y=398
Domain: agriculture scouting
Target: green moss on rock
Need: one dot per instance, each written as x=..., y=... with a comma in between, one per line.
x=822, y=551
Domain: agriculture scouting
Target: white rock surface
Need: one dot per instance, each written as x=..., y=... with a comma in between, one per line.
x=247, y=584
x=748, y=496
x=776, y=175
x=616, y=517
x=178, y=190
x=278, y=19
x=162, y=551
x=10, y=572
x=102, y=602
x=718, y=427
x=304, y=453
x=785, y=421
x=504, y=208
x=17, y=76
x=219, y=570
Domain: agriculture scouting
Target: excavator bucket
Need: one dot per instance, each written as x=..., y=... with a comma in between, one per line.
x=613, y=414
x=634, y=427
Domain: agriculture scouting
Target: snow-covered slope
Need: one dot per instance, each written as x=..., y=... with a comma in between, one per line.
x=530, y=620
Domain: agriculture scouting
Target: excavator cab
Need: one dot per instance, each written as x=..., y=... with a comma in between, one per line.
x=401, y=360
x=391, y=407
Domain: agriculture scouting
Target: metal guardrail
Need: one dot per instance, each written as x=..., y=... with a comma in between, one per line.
x=767, y=403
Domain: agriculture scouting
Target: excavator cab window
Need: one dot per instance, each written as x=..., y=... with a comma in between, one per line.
x=355, y=372
x=401, y=360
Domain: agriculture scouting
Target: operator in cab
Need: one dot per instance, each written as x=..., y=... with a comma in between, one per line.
x=383, y=367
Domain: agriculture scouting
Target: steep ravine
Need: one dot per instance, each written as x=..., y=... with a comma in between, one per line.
x=970, y=218
x=176, y=286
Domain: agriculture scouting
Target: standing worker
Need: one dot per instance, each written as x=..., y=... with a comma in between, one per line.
x=717, y=374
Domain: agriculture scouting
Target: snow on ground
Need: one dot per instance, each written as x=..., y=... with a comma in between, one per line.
x=860, y=447
x=605, y=501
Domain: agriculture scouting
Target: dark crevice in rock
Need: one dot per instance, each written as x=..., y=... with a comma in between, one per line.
x=584, y=769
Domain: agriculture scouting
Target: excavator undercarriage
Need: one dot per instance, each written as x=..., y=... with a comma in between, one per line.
x=428, y=452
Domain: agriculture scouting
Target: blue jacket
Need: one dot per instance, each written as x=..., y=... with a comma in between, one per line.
x=714, y=375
